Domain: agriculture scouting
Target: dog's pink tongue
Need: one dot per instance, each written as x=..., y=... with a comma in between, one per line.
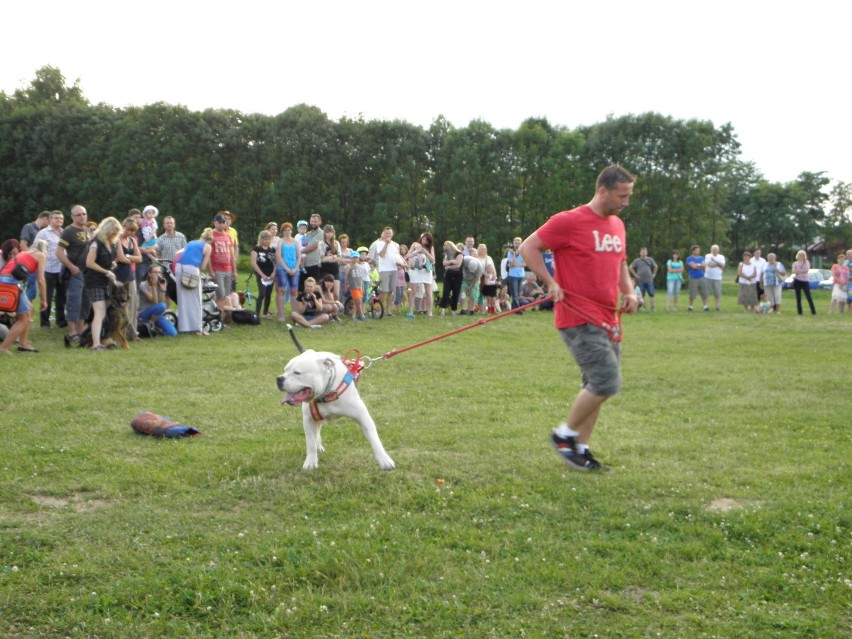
x=295, y=399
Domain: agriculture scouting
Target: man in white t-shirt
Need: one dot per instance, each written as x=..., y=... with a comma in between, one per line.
x=714, y=263
x=386, y=253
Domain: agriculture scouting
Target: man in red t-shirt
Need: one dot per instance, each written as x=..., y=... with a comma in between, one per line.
x=589, y=247
x=223, y=264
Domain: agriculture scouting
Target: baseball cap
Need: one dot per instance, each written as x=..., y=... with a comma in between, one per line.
x=363, y=249
x=301, y=223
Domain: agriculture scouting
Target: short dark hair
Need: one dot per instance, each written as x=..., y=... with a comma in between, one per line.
x=43, y=215
x=613, y=175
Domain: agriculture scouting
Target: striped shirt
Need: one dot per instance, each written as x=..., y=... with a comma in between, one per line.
x=168, y=246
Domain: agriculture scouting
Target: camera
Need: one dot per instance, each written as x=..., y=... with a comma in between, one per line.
x=161, y=279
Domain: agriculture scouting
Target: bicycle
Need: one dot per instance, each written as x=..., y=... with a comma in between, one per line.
x=373, y=306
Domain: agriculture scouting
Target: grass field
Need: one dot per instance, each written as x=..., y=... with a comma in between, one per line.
x=727, y=513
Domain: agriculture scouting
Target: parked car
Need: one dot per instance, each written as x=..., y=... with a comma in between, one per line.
x=815, y=278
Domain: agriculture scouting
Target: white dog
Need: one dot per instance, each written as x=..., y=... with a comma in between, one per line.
x=326, y=389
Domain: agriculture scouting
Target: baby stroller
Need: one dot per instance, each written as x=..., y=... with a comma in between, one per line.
x=211, y=316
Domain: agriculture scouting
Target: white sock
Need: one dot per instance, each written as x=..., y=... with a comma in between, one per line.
x=582, y=448
x=564, y=430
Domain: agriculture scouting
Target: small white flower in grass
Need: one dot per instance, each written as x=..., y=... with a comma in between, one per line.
x=15, y=569
x=323, y=608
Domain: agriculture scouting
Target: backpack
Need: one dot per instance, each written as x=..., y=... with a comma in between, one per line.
x=245, y=317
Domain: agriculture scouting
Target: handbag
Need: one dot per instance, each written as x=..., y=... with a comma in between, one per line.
x=9, y=297
x=20, y=272
x=189, y=280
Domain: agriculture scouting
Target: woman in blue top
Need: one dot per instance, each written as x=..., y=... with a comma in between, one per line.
x=674, y=279
x=189, y=263
x=516, y=272
x=773, y=280
x=288, y=256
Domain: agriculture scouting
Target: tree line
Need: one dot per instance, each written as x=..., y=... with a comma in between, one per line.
x=57, y=149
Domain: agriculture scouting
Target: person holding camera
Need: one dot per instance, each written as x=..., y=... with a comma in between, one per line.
x=153, y=301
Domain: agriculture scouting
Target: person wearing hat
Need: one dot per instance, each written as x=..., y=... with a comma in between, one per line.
x=357, y=277
x=146, y=236
x=223, y=262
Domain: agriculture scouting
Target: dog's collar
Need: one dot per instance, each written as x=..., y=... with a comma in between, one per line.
x=342, y=387
x=353, y=372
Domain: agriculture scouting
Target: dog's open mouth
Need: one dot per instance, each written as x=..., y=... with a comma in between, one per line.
x=294, y=399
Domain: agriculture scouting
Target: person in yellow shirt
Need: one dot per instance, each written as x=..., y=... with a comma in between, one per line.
x=230, y=230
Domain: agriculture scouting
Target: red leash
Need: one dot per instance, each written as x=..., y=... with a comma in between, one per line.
x=615, y=331
x=481, y=322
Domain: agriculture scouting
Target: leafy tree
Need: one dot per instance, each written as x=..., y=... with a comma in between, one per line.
x=677, y=197
x=837, y=227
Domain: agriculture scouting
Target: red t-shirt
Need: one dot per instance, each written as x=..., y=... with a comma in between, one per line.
x=220, y=257
x=24, y=258
x=588, y=251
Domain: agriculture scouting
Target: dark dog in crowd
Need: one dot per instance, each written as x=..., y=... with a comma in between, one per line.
x=115, y=323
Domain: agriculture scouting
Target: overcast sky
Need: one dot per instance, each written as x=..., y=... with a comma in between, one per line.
x=780, y=76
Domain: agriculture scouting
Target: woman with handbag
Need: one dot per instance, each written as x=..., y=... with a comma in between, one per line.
x=17, y=270
x=189, y=262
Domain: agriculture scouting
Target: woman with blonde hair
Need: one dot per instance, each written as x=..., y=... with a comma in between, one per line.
x=34, y=259
x=800, y=281
x=189, y=262
x=100, y=260
x=453, y=258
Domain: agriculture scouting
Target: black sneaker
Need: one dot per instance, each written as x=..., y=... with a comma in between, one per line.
x=564, y=445
x=575, y=460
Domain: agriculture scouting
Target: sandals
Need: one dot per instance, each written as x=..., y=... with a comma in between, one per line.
x=99, y=347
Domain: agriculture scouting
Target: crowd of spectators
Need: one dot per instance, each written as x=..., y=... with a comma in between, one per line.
x=311, y=275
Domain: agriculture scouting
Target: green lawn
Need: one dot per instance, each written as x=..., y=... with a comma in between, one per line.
x=727, y=513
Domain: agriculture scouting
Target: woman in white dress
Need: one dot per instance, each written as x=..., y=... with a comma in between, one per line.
x=421, y=267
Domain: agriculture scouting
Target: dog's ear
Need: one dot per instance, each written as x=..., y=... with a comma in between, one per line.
x=329, y=363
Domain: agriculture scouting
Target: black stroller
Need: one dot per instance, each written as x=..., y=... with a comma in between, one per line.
x=211, y=316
